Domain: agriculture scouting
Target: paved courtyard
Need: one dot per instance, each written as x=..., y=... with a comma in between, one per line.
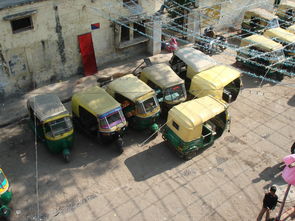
x=149, y=182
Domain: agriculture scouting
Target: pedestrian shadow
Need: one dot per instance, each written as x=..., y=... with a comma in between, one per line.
x=271, y=174
x=291, y=102
x=152, y=162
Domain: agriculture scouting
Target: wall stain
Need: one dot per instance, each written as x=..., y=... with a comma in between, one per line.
x=60, y=41
x=3, y=62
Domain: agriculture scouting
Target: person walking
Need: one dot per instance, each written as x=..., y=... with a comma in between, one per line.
x=270, y=201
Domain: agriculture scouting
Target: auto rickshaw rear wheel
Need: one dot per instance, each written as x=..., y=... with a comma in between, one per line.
x=67, y=158
x=119, y=145
x=190, y=155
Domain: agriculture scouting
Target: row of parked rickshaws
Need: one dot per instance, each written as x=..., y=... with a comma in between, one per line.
x=268, y=41
x=192, y=93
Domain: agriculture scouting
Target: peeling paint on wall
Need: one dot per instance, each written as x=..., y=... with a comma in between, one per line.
x=60, y=39
x=17, y=65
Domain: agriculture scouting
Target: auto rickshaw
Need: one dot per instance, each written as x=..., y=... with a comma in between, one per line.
x=257, y=20
x=195, y=125
x=169, y=87
x=220, y=81
x=291, y=29
x=5, y=196
x=139, y=102
x=203, y=76
x=286, y=13
x=263, y=55
x=98, y=114
x=52, y=122
x=187, y=62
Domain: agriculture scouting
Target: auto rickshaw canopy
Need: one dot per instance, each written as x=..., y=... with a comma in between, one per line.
x=280, y=34
x=130, y=87
x=291, y=29
x=47, y=106
x=196, y=60
x=95, y=100
x=261, y=42
x=161, y=75
x=260, y=12
x=213, y=80
x=4, y=184
x=189, y=116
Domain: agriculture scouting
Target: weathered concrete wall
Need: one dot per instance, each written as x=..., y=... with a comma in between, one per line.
x=50, y=51
x=232, y=11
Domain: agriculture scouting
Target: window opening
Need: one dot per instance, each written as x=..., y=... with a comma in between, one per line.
x=21, y=24
x=125, y=33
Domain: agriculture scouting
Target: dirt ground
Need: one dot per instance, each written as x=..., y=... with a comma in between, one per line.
x=149, y=182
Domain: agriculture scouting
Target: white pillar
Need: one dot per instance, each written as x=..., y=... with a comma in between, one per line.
x=193, y=24
x=155, y=31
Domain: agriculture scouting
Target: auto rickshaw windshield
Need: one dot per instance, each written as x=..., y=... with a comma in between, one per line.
x=3, y=180
x=274, y=23
x=147, y=106
x=174, y=93
x=58, y=127
x=112, y=119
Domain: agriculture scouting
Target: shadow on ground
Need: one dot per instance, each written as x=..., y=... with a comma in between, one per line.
x=271, y=175
x=152, y=162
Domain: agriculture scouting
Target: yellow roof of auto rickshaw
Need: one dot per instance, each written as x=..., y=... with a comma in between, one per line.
x=197, y=111
x=261, y=12
x=96, y=100
x=196, y=59
x=261, y=42
x=280, y=34
x=130, y=87
x=291, y=29
x=217, y=77
x=286, y=5
x=46, y=106
x=162, y=75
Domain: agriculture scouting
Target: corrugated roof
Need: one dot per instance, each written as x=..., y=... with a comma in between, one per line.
x=46, y=106
x=13, y=3
x=162, y=75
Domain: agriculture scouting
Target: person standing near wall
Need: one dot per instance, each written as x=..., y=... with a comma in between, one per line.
x=270, y=201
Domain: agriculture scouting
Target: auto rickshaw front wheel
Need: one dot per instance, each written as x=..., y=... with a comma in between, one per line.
x=119, y=145
x=66, y=155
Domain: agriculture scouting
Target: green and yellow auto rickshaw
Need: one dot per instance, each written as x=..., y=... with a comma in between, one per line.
x=52, y=122
x=168, y=85
x=262, y=55
x=257, y=20
x=139, y=102
x=286, y=13
x=220, y=81
x=195, y=124
x=187, y=62
x=291, y=29
x=98, y=114
x=5, y=196
x=203, y=76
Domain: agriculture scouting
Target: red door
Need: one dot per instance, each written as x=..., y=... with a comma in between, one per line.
x=87, y=52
